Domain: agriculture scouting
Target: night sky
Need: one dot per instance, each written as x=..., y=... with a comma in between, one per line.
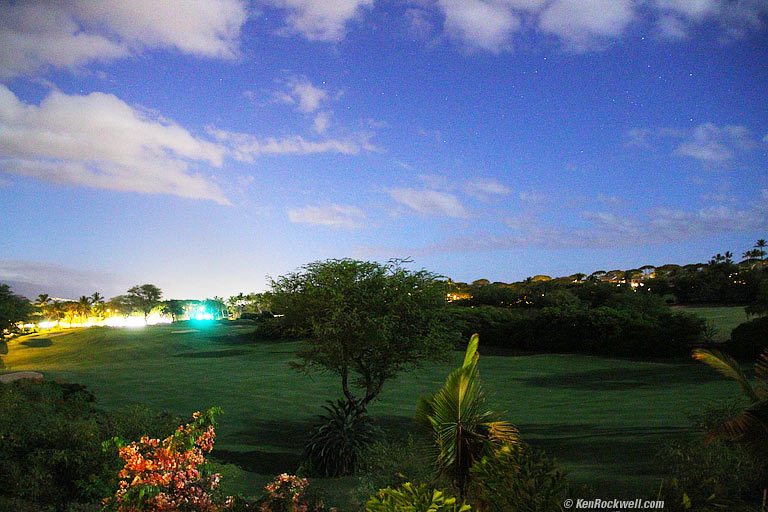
x=203, y=145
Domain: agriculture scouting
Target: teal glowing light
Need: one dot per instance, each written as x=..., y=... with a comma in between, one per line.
x=202, y=314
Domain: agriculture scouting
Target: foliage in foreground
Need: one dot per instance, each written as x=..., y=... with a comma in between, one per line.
x=725, y=468
x=750, y=427
x=461, y=426
x=363, y=321
x=334, y=447
x=414, y=498
x=13, y=309
x=391, y=463
x=50, y=443
x=518, y=479
x=708, y=476
x=169, y=475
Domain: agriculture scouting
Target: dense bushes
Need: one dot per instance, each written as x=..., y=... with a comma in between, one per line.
x=50, y=442
x=709, y=475
x=595, y=330
x=414, y=498
x=390, y=463
x=749, y=339
x=519, y=478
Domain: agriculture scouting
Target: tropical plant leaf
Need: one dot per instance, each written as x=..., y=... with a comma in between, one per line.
x=761, y=370
x=462, y=427
x=728, y=367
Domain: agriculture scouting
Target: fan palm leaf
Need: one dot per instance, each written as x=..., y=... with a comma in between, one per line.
x=461, y=426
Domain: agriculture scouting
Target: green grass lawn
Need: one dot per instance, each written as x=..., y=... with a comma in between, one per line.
x=602, y=418
x=724, y=318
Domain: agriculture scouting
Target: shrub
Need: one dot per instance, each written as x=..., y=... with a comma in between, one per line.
x=337, y=441
x=169, y=475
x=708, y=476
x=748, y=339
x=286, y=493
x=518, y=479
x=391, y=463
x=414, y=499
x=50, y=435
x=652, y=330
x=270, y=329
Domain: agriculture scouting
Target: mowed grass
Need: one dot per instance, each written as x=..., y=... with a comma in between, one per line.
x=723, y=318
x=604, y=419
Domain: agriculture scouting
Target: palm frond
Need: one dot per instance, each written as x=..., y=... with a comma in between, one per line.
x=471, y=355
x=761, y=371
x=727, y=366
x=462, y=427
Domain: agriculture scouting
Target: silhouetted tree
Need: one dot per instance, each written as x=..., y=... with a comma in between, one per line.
x=145, y=298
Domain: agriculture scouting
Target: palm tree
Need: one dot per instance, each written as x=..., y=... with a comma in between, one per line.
x=42, y=302
x=98, y=306
x=57, y=310
x=83, y=307
x=750, y=428
x=462, y=428
x=760, y=251
x=70, y=310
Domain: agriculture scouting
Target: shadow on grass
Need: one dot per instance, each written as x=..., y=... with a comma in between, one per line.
x=216, y=353
x=3, y=348
x=604, y=457
x=625, y=378
x=37, y=343
x=286, y=440
x=257, y=461
x=246, y=338
x=287, y=435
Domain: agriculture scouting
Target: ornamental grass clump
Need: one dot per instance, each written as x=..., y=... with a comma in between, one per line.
x=336, y=444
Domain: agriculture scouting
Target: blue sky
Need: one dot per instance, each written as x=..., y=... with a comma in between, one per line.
x=204, y=145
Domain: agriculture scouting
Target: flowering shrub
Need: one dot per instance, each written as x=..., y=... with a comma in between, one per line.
x=286, y=495
x=169, y=475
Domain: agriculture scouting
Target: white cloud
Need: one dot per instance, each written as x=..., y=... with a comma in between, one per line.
x=712, y=144
x=321, y=20
x=435, y=181
x=671, y=28
x=429, y=202
x=333, y=215
x=484, y=187
x=611, y=201
x=532, y=197
x=308, y=96
x=245, y=147
x=605, y=229
x=31, y=278
x=322, y=121
x=706, y=142
x=99, y=141
x=485, y=24
x=420, y=24
x=695, y=9
x=38, y=34
x=585, y=25
x=733, y=19
x=581, y=23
